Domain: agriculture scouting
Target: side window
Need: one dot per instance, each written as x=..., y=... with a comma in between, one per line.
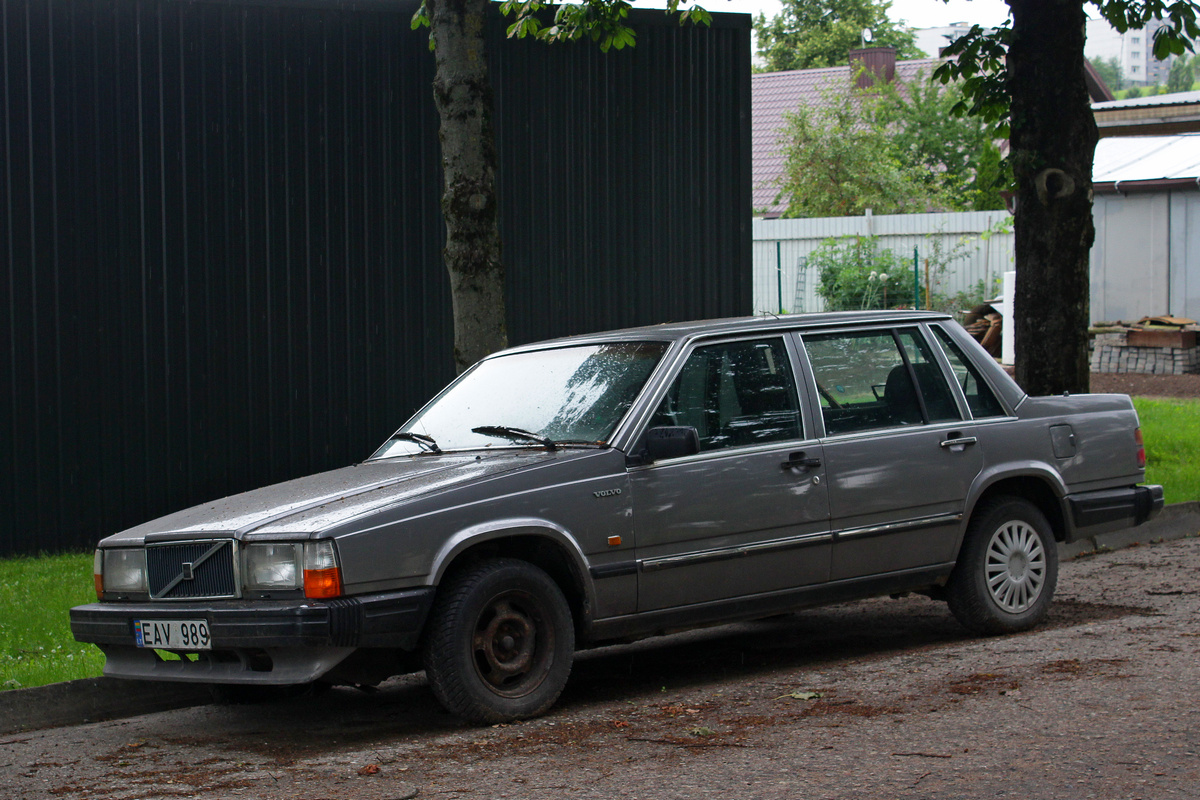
x=980, y=398
x=865, y=380
x=734, y=394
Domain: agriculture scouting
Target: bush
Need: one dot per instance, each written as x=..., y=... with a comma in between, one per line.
x=857, y=274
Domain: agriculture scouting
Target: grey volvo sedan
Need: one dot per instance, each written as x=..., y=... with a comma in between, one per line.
x=620, y=485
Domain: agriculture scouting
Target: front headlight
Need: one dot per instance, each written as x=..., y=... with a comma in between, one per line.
x=124, y=569
x=273, y=567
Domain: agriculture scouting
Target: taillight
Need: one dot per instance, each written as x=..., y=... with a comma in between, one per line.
x=1141, y=448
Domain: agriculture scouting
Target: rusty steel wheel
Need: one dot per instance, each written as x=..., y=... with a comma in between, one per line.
x=512, y=643
x=499, y=643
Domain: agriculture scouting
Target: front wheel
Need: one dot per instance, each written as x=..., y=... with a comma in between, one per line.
x=499, y=643
x=1007, y=569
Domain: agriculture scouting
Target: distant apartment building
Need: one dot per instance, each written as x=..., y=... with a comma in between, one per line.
x=934, y=40
x=1133, y=50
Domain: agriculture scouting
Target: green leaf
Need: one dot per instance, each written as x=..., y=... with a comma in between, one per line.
x=420, y=18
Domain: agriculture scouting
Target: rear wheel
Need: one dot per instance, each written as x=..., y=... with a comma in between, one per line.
x=499, y=643
x=1007, y=570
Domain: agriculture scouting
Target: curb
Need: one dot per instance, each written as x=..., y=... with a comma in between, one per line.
x=92, y=700
x=1176, y=521
x=98, y=699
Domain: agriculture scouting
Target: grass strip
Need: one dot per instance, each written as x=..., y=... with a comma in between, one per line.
x=36, y=646
x=1171, y=430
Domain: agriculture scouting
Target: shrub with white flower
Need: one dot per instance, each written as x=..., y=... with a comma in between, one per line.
x=858, y=274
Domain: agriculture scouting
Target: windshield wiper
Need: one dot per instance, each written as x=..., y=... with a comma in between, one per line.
x=419, y=438
x=520, y=434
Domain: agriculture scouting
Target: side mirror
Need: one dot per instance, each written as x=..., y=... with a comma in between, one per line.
x=671, y=442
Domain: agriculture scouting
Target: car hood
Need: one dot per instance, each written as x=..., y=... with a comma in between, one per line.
x=318, y=502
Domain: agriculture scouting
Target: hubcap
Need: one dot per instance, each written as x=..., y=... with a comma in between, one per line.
x=1015, y=568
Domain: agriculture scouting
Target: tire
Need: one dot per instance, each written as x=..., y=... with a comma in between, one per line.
x=1007, y=569
x=499, y=643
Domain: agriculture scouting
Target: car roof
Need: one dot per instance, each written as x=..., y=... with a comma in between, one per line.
x=674, y=331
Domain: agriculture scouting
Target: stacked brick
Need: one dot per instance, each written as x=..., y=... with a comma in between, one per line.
x=1111, y=353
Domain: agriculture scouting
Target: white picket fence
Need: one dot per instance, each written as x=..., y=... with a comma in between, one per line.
x=783, y=280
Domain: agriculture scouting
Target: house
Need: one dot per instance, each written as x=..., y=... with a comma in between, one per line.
x=1155, y=115
x=1146, y=257
x=772, y=94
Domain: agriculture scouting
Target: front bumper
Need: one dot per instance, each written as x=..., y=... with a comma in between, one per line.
x=1112, y=509
x=269, y=641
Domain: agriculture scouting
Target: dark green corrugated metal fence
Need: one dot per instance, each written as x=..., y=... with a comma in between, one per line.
x=220, y=233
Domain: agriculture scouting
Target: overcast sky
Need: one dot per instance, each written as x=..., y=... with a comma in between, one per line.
x=916, y=13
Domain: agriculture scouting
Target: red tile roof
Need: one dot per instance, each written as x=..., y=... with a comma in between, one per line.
x=773, y=93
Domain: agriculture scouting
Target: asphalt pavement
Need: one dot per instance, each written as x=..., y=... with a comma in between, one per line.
x=885, y=698
x=98, y=699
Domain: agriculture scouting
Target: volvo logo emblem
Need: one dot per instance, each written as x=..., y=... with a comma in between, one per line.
x=188, y=574
x=606, y=493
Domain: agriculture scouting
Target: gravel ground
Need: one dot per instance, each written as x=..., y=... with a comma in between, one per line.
x=1146, y=385
x=876, y=699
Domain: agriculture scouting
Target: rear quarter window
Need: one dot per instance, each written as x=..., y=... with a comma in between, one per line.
x=980, y=398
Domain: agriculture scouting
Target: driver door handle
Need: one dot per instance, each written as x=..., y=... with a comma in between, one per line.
x=798, y=461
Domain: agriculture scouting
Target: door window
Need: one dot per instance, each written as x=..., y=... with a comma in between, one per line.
x=734, y=394
x=878, y=379
x=980, y=398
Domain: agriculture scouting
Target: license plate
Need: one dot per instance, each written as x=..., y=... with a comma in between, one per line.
x=172, y=634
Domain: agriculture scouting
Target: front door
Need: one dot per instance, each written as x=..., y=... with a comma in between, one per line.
x=748, y=514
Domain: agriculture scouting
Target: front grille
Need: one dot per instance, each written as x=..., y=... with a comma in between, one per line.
x=186, y=570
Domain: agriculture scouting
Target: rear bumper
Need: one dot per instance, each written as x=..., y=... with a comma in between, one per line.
x=276, y=641
x=1112, y=509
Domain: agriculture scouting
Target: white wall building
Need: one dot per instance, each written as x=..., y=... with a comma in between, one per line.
x=934, y=40
x=1133, y=50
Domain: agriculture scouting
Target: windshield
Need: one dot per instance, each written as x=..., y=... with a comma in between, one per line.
x=570, y=395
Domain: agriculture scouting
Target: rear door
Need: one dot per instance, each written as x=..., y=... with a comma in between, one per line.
x=748, y=514
x=899, y=452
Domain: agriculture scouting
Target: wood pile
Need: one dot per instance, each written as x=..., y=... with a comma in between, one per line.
x=986, y=324
x=1160, y=331
x=1157, y=345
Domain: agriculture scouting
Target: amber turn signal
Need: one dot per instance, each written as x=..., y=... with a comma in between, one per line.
x=98, y=573
x=322, y=583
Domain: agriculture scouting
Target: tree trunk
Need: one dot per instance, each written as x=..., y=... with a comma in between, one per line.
x=1053, y=142
x=463, y=96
